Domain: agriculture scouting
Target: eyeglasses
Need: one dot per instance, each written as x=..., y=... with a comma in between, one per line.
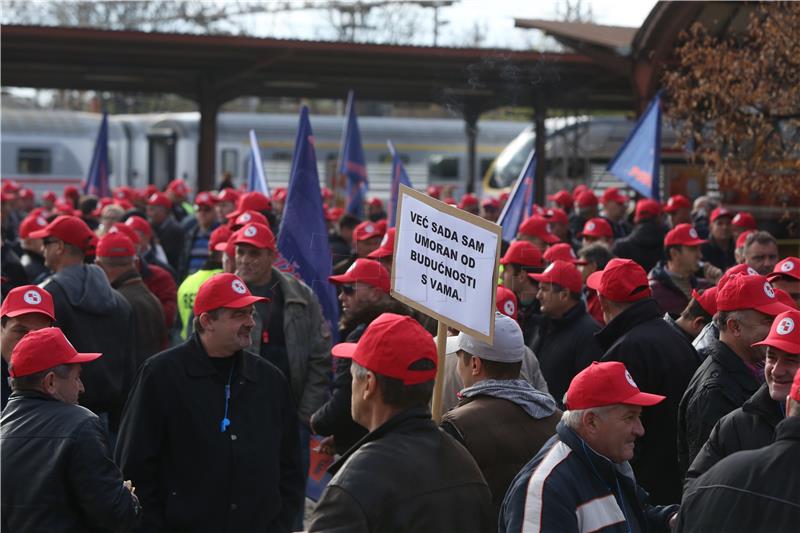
x=49, y=241
x=348, y=289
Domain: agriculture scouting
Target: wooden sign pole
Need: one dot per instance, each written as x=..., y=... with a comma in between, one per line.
x=441, y=346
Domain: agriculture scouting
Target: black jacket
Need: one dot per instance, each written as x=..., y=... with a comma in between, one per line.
x=661, y=361
x=721, y=384
x=190, y=475
x=564, y=347
x=749, y=427
x=96, y=318
x=171, y=236
x=669, y=297
x=751, y=491
x=148, y=315
x=407, y=475
x=645, y=244
x=34, y=266
x=722, y=258
x=57, y=470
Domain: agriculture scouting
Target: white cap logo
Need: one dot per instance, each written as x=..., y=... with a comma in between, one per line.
x=369, y=228
x=509, y=307
x=751, y=271
x=113, y=229
x=245, y=217
x=788, y=266
x=250, y=231
x=351, y=268
x=785, y=326
x=385, y=239
x=768, y=290
x=32, y=297
x=238, y=286
x=630, y=379
x=41, y=221
x=590, y=226
x=549, y=267
x=693, y=233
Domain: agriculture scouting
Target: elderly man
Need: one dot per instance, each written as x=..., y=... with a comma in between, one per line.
x=581, y=480
x=753, y=424
x=746, y=307
x=761, y=252
x=756, y=490
x=672, y=280
x=405, y=474
x=57, y=469
x=209, y=408
x=501, y=419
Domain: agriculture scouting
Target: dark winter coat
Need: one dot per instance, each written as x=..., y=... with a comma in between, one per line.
x=721, y=257
x=669, y=297
x=661, y=361
x=751, y=491
x=749, y=427
x=189, y=474
x=34, y=266
x=150, y=334
x=645, y=244
x=57, y=470
x=406, y=475
x=171, y=237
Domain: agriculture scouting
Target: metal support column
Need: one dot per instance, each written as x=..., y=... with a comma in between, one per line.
x=207, y=144
x=540, y=113
x=471, y=129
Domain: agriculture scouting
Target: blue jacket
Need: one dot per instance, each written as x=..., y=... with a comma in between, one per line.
x=568, y=487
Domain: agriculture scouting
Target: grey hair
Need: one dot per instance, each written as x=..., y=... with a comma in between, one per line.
x=572, y=417
x=358, y=371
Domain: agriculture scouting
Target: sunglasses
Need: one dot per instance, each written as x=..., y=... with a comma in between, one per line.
x=348, y=289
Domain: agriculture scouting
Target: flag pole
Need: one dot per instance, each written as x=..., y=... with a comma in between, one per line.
x=441, y=346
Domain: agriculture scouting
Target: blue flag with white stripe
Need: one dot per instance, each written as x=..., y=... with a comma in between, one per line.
x=637, y=162
x=519, y=205
x=399, y=176
x=97, y=180
x=352, y=163
x=256, y=178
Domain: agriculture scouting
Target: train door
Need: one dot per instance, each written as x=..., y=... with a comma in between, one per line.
x=161, y=156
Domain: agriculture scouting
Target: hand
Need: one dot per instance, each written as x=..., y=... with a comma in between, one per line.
x=326, y=446
x=128, y=484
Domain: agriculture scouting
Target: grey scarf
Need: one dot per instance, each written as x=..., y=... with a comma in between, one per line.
x=537, y=404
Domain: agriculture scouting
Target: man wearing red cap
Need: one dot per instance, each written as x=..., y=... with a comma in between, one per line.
x=615, y=207
x=645, y=244
x=57, y=469
x=375, y=210
x=405, y=474
x=469, y=203
x=585, y=208
x=26, y=308
x=743, y=221
x=698, y=313
x=209, y=435
x=672, y=280
x=731, y=373
x=756, y=490
x=93, y=316
x=366, y=238
x=597, y=230
x=581, y=480
x=562, y=199
x=786, y=276
x=32, y=259
x=198, y=228
x=720, y=246
x=364, y=295
x=178, y=193
x=169, y=232
x=559, y=223
x=679, y=210
x=761, y=252
x=538, y=231
x=657, y=356
x=753, y=424
x=563, y=339
x=490, y=208
x=520, y=259
x=116, y=256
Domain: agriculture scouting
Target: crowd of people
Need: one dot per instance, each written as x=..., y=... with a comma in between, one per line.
x=162, y=372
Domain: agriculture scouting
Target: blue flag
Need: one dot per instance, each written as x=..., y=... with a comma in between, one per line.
x=638, y=160
x=351, y=161
x=303, y=235
x=519, y=205
x=399, y=176
x=97, y=181
x=256, y=179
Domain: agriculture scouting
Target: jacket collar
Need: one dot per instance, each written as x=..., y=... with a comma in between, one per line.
x=31, y=395
x=732, y=363
x=602, y=466
x=671, y=321
x=788, y=429
x=290, y=291
x=571, y=316
x=415, y=415
x=197, y=363
x=762, y=404
x=638, y=313
x=659, y=273
x=125, y=277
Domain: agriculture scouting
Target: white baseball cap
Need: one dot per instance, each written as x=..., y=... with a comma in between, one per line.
x=508, y=347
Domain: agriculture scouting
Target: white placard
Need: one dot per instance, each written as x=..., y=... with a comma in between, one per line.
x=445, y=263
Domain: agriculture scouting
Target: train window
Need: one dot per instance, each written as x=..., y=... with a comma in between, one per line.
x=281, y=156
x=230, y=161
x=483, y=166
x=442, y=167
x=386, y=157
x=34, y=161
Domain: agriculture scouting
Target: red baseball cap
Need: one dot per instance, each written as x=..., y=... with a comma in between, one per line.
x=675, y=202
x=612, y=194
x=597, y=227
x=42, y=349
x=251, y=201
x=606, y=383
x=539, y=227
x=721, y=212
x=585, y=198
x=562, y=273
x=26, y=193
x=742, y=238
x=490, y=203
x=579, y=189
x=506, y=302
x=707, y=299
x=450, y=201
x=784, y=333
x=785, y=298
x=524, y=254
x=562, y=197
x=228, y=195
x=220, y=235
x=246, y=218
x=745, y=220
x=49, y=196
x=646, y=208
x=367, y=230
x=224, y=290
x=178, y=187
x=72, y=230
x=160, y=199
x=468, y=200
x=386, y=248
x=560, y=252
x=557, y=215
x=434, y=191
x=749, y=292
x=326, y=194
x=205, y=198
x=366, y=271
x=28, y=299
x=374, y=201
x=742, y=269
x=115, y=244
x=30, y=224
x=622, y=280
x=119, y=227
x=141, y=225
x=332, y=214
x=257, y=235
x=683, y=235
x=794, y=393
x=279, y=194
x=390, y=345
x=789, y=267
